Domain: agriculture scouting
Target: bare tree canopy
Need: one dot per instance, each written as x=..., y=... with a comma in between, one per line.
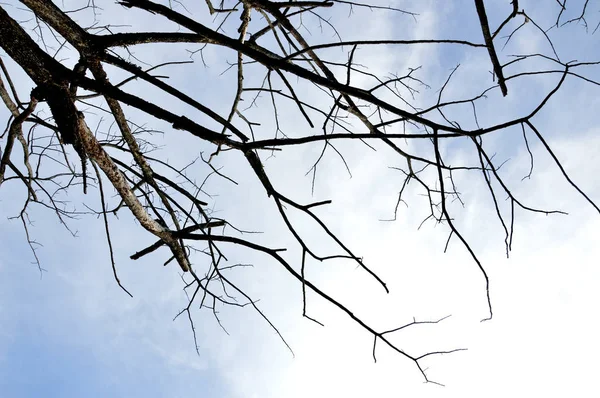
x=167, y=111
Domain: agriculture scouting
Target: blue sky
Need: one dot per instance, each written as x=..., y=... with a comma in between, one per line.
x=72, y=332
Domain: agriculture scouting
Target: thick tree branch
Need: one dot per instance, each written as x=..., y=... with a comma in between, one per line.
x=489, y=42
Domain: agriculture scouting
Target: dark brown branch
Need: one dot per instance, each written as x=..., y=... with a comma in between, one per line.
x=489, y=42
x=384, y=42
x=107, y=230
